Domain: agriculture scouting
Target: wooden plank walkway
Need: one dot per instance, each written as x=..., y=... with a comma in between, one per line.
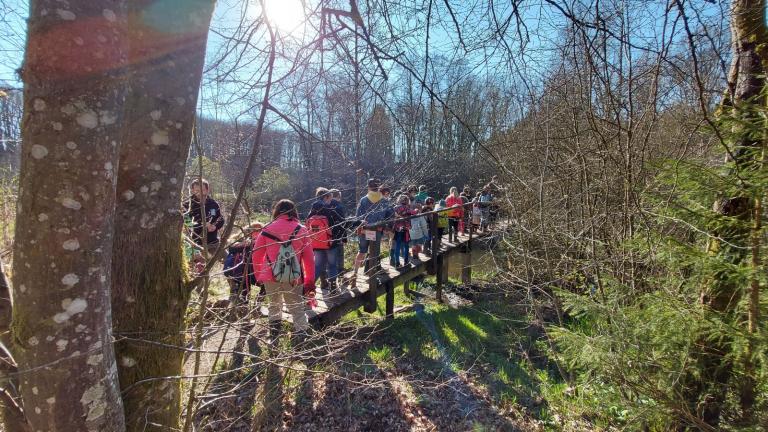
x=332, y=307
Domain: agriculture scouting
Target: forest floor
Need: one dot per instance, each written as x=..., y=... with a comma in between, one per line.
x=477, y=362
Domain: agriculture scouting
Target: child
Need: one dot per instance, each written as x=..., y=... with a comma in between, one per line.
x=419, y=232
x=477, y=213
x=455, y=214
x=429, y=206
x=401, y=230
x=442, y=218
x=237, y=265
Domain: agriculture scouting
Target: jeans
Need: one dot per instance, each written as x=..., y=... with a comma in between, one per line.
x=326, y=260
x=453, y=227
x=400, y=247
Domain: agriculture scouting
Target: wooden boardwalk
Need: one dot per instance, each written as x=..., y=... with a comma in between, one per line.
x=382, y=279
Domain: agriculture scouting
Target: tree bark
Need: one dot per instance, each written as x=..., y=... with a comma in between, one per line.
x=706, y=394
x=149, y=296
x=62, y=326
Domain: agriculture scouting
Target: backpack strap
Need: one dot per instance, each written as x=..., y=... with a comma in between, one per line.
x=270, y=236
x=273, y=237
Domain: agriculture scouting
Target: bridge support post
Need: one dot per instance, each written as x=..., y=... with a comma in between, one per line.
x=373, y=268
x=407, y=287
x=466, y=260
x=390, y=309
x=434, y=245
x=440, y=277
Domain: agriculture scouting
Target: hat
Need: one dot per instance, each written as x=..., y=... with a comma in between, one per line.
x=423, y=188
x=429, y=200
x=403, y=199
x=442, y=203
x=374, y=183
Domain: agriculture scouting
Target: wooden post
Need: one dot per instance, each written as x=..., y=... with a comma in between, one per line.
x=390, y=308
x=432, y=267
x=439, y=278
x=466, y=261
x=373, y=268
x=407, y=287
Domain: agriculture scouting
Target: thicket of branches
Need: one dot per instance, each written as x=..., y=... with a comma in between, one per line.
x=607, y=123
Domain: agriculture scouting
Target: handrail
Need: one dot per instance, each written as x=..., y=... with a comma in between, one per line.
x=391, y=221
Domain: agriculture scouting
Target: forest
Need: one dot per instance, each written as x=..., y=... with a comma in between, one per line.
x=603, y=268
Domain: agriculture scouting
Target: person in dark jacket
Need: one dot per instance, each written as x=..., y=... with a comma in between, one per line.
x=209, y=220
x=338, y=206
x=326, y=258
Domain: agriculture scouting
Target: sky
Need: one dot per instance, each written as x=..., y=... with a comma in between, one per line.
x=543, y=23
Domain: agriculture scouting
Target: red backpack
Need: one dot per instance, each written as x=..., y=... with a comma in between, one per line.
x=319, y=232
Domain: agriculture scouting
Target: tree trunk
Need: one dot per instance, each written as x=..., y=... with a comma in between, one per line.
x=149, y=296
x=707, y=393
x=62, y=326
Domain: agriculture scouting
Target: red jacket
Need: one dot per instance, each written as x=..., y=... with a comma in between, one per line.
x=451, y=201
x=282, y=228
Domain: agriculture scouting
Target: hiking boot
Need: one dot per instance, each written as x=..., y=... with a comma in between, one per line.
x=333, y=287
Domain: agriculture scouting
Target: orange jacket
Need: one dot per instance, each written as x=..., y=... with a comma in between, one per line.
x=457, y=212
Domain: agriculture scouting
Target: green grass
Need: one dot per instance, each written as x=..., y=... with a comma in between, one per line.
x=472, y=338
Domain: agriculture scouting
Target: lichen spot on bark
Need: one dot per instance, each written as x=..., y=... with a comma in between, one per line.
x=93, y=402
x=71, y=245
x=70, y=280
x=61, y=345
x=107, y=117
x=71, y=145
x=71, y=204
x=156, y=114
x=39, y=152
x=39, y=104
x=160, y=138
x=33, y=341
x=42, y=217
x=57, y=126
x=128, y=195
x=128, y=362
x=87, y=119
x=109, y=15
x=66, y=15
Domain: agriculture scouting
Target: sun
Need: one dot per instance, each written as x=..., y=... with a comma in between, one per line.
x=287, y=15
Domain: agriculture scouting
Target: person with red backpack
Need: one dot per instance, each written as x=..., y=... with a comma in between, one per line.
x=283, y=261
x=326, y=230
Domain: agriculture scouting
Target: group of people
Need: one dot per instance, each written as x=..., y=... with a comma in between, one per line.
x=287, y=256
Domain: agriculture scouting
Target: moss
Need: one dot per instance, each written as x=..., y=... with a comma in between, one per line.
x=149, y=302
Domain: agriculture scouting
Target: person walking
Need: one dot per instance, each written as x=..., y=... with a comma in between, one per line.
x=455, y=214
x=372, y=211
x=325, y=227
x=283, y=261
x=205, y=214
x=338, y=206
x=401, y=229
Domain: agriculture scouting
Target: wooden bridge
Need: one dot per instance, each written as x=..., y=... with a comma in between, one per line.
x=380, y=278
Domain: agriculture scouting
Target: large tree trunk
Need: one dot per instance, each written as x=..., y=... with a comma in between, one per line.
x=149, y=295
x=62, y=324
x=707, y=393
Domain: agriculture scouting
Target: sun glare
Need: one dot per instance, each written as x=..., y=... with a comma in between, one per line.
x=286, y=15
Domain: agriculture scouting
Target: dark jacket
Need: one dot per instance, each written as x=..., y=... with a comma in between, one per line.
x=335, y=221
x=212, y=215
x=373, y=209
